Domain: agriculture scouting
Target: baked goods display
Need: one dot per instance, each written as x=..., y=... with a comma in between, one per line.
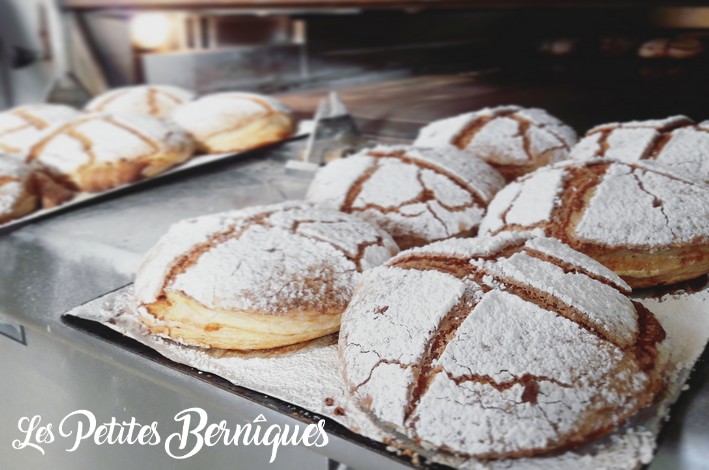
x=676, y=142
x=100, y=151
x=513, y=139
x=230, y=122
x=17, y=191
x=671, y=48
x=21, y=126
x=499, y=347
x=152, y=100
x=257, y=278
x=418, y=195
x=645, y=223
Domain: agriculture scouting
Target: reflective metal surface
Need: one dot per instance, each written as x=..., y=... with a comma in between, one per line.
x=56, y=264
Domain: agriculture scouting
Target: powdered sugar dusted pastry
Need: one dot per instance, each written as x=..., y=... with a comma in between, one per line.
x=100, y=151
x=676, y=142
x=20, y=127
x=418, y=195
x=153, y=100
x=514, y=140
x=257, y=278
x=644, y=223
x=499, y=347
x=229, y=122
x=18, y=196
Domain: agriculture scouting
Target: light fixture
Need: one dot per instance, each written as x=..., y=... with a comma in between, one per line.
x=151, y=30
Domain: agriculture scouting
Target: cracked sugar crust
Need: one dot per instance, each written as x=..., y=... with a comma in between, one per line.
x=151, y=100
x=416, y=194
x=513, y=139
x=676, y=143
x=220, y=113
x=604, y=204
x=107, y=138
x=15, y=186
x=20, y=127
x=497, y=347
x=268, y=259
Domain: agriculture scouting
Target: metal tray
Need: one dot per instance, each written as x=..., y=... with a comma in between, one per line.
x=82, y=199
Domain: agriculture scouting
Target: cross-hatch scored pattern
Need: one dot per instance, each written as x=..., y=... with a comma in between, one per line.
x=578, y=183
x=576, y=198
x=661, y=137
x=238, y=226
x=353, y=202
x=70, y=129
x=467, y=134
x=31, y=122
x=151, y=94
x=481, y=280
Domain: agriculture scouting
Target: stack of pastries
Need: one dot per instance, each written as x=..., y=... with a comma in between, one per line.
x=504, y=328
x=123, y=136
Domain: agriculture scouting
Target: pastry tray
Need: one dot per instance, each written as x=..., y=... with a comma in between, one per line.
x=306, y=383
x=197, y=161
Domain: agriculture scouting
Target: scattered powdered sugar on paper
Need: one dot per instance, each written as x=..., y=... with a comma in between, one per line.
x=311, y=375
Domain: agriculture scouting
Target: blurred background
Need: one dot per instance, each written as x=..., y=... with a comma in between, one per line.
x=397, y=63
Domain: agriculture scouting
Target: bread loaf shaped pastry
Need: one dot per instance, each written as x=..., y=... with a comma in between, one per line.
x=101, y=151
x=257, y=278
x=646, y=224
x=513, y=139
x=152, y=100
x=676, y=142
x=231, y=122
x=18, y=195
x=671, y=48
x=499, y=347
x=20, y=127
x=418, y=195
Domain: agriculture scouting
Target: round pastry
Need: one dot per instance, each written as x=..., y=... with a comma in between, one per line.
x=514, y=140
x=418, y=195
x=230, y=122
x=17, y=191
x=499, y=347
x=257, y=278
x=646, y=224
x=676, y=142
x=153, y=100
x=21, y=126
x=101, y=151
x=666, y=48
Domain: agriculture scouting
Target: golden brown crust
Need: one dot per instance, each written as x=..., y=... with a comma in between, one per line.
x=25, y=203
x=264, y=130
x=278, y=298
x=181, y=318
x=97, y=175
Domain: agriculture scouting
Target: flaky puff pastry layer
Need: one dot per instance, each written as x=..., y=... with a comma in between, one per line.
x=183, y=319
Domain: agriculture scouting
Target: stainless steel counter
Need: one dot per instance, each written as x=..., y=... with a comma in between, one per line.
x=51, y=266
